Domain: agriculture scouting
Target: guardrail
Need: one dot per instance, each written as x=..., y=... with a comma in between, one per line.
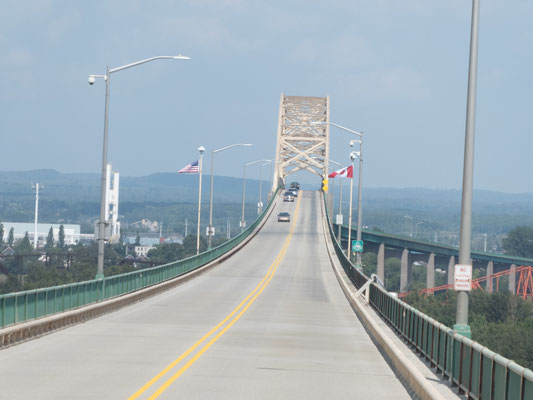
x=29, y=305
x=474, y=369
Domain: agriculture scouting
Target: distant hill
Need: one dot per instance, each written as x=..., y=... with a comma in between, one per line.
x=75, y=197
x=158, y=187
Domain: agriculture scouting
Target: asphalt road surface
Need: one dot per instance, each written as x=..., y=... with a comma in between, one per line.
x=271, y=322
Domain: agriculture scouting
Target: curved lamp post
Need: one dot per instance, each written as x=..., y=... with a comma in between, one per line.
x=210, y=228
x=107, y=78
x=243, y=222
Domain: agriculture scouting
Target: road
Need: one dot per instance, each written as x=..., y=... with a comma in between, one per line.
x=271, y=322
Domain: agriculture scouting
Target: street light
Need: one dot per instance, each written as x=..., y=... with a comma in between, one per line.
x=359, y=200
x=243, y=222
x=411, y=218
x=416, y=228
x=210, y=228
x=107, y=78
x=353, y=156
x=461, y=325
x=201, y=150
x=332, y=193
x=260, y=204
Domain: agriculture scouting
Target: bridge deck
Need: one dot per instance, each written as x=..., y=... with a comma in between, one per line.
x=299, y=338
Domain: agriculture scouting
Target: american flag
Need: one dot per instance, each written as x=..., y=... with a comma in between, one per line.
x=192, y=168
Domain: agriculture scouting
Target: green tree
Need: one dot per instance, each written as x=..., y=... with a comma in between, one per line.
x=167, y=252
x=61, y=238
x=24, y=245
x=519, y=242
x=11, y=237
x=1, y=236
x=50, y=239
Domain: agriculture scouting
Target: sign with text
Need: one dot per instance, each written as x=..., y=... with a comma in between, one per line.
x=463, y=277
x=339, y=219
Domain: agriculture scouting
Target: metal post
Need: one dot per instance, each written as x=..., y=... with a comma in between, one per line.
x=102, y=222
x=349, y=247
x=461, y=325
x=211, y=199
x=211, y=204
x=359, y=263
x=340, y=210
x=259, y=204
x=243, y=191
x=35, y=233
x=200, y=169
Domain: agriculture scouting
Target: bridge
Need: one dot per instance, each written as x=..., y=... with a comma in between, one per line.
x=276, y=312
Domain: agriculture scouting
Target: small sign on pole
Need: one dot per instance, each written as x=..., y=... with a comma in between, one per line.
x=242, y=224
x=339, y=219
x=463, y=278
x=357, y=246
x=210, y=233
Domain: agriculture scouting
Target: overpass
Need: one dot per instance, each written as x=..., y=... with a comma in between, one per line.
x=278, y=312
x=410, y=250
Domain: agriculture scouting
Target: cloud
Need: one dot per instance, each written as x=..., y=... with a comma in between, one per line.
x=61, y=26
x=205, y=32
x=395, y=83
x=19, y=58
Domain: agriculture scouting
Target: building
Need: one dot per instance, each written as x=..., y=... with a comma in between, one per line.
x=142, y=251
x=72, y=232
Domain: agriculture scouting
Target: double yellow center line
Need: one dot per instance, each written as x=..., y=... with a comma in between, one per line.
x=221, y=328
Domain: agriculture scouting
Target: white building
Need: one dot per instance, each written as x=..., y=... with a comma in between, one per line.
x=72, y=232
x=142, y=251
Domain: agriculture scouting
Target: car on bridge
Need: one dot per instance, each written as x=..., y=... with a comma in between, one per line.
x=288, y=196
x=295, y=185
x=284, y=217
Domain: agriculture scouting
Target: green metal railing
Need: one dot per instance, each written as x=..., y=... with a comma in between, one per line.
x=474, y=369
x=32, y=304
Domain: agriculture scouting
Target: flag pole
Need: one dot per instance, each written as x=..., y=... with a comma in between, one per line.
x=201, y=150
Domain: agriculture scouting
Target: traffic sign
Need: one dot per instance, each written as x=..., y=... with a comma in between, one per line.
x=339, y=219
x=357, y=246
x=212, y=233
x=463, y=277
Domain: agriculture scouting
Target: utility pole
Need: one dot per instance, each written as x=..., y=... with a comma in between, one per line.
x=461, y=325
x=186, y=226
x=36, y=187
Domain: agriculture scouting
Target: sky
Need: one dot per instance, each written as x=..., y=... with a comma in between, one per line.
x=396, y=70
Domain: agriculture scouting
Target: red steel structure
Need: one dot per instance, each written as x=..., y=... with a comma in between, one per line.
x=524, y=288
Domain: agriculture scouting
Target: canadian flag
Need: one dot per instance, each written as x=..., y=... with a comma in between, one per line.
x=342, y=173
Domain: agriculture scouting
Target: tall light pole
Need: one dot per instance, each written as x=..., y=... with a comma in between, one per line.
x=332, y=192
x=35, y=233
x=461, y=325
x=260, y=203
x=360, y=191
x=102, y=221
x=243, y=222
x=353, y=156
x=201, y=150
x=210, y=228
x=416, y=228
x=411, y=218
